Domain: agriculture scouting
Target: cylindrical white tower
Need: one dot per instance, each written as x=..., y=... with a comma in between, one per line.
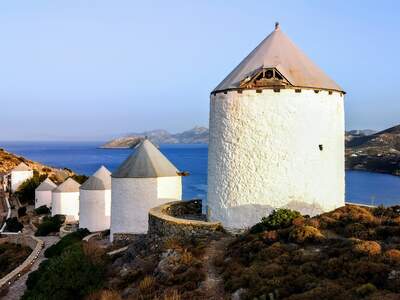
x=43, y=193
x=145, y=180
x=276, y=137
x=65, y=200
x=95, y=201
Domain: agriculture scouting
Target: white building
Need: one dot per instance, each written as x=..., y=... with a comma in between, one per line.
x=276, y=137
x=43, y=193
x=65, y=200
x=18, y=175
x=95, y=201
x=145, y=180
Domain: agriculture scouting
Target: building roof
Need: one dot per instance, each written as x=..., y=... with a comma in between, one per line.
x=46, y=185
x=278, y=51
x=68, y=186
x=100, y=180
x=21, y=167
x=146, y=162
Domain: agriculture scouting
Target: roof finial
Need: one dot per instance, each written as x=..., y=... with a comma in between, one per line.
x=276, y=25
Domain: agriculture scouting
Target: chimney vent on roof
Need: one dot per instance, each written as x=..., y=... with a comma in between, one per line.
x=276, y=25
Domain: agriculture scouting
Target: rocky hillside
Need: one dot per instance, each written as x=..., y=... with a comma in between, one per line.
x=378, y=152
x=197, y=135
x=8, y=161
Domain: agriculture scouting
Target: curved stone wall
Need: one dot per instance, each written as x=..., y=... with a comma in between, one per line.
x=176, y=219
x=32, y=242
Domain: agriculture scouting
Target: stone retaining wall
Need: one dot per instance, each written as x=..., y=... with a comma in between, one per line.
x=180, y=219
x=32, y=242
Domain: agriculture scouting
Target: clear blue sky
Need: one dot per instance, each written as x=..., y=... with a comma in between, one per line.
x=93, y=69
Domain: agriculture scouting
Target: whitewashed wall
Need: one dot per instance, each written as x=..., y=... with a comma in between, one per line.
x=94, y=209
x=132, y=199
x=66, y=204
x=264, y=154
x=43, y=198
x=18, y=177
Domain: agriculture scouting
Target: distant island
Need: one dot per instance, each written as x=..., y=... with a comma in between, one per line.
x=196, y=135
x=375, y=152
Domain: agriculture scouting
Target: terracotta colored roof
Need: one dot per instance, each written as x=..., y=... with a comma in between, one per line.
x=46, y=185
x=100, y=180
x=146, y=162
x=278, y=51
x=21, y=167
x=68, y=186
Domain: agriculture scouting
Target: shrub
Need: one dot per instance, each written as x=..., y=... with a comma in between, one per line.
x=280, y=218
x=72, y=275
x=42, y=210
x=367, y=247
x=393, y=256
x=13, y=225
x=79, y=178
x=66, y=241
x=50, y=225
x=366, y=289
x=104, y=295
x=26, y=191
x=21, y=211
x=302, y=234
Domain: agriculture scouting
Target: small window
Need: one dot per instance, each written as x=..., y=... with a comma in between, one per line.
x=330, y=92
x=316, y=91
x=277, y=90
x=297, y=90
x=269, y=74
x=259, y=91
x=321, y=147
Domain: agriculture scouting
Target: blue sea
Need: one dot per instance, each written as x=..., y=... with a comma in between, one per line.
x=86, y=158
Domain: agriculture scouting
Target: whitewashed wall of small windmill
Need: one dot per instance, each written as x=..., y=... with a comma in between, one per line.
x=264, y=154
x=95, y=209
x=18, y=177
x=66, y=203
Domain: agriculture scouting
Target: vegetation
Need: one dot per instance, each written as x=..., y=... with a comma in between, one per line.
x=11, y=256
x=50, y=225
x=65, y=242
x=77, y=272
x=13, y=225
x=21, y=211
x=349, y=253
x=80, y=178
x=26, y=191
x=42, y=210
x=280, y=218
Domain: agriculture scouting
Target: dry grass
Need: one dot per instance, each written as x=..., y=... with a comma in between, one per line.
x=93, y=252
x=367, y=248
x=104, y=295
x=146, y=285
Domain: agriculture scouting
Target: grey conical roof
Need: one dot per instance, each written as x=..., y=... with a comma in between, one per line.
x=68, y=186
x=46, y=185
x=22, y=167
x=100, y=180
x=146, y=162
x=278, y=51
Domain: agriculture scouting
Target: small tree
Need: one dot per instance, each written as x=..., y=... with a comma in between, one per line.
x=280, y=218
x=26, y=191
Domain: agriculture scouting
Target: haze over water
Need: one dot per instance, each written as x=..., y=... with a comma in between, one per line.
x=86, y=158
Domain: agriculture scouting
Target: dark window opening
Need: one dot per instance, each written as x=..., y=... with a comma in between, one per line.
x=277, y=90
x=259, y=91
x=269, y=74
x=297, y=90
x=316, y=91
x=321, y=147
x=330, y=92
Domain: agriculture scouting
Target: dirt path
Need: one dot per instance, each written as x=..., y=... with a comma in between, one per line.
x=213, y=285
x=18, y=288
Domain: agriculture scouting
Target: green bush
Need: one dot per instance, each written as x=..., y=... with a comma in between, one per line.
x=79, y=178
x=42, y=210
x=278, y=219
x=49, y=225
x=13, y=225
x=26, y=191
x=65, y=242
x=22, y=211
x=72, y=275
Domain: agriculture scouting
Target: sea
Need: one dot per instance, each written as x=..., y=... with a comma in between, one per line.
x=86, y=157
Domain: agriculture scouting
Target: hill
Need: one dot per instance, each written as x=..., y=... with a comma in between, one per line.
x=9, y=161
x=196, y=135
x=378, y=152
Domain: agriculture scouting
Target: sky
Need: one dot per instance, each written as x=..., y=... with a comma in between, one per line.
x=92, y=70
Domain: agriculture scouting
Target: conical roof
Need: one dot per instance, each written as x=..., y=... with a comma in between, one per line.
x=278, y=51
x=146, y=162
x=100, y=180
x=21, y=167
x=46, y=185
x=68, y=186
